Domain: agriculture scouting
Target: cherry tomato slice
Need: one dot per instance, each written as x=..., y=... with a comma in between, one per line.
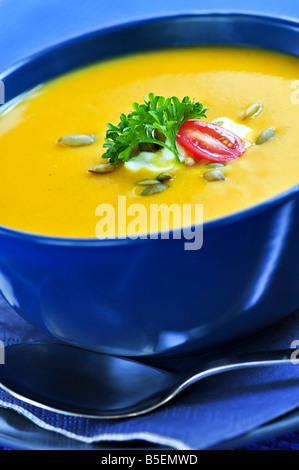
x=210, y=142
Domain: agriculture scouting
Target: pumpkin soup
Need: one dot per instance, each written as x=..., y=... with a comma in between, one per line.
x=127, y=127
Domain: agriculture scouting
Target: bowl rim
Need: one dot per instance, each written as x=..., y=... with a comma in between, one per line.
x=218, y=222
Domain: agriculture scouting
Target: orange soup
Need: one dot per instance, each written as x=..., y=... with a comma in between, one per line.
x=46, y=187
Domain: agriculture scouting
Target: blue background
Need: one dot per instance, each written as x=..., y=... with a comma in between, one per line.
x=28, y=26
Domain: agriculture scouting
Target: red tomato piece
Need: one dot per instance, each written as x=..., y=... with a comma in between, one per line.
x=210, y=142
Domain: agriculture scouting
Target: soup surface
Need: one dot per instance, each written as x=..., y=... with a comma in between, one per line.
x=46, y=187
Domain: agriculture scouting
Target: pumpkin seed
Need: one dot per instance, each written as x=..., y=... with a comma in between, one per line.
x=135, y=151
x=147, y=182
x=164, y=176
x=159, y=135
x=215, y=175
x=189, y=161
x=265, y=135
x=103, y=168
x=253, y=110
x=153, y=189
x=214, y=165
x=218, y=122
x=76, y=140
x=149, y=147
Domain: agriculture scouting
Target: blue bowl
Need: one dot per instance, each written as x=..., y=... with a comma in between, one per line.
x=116, y=296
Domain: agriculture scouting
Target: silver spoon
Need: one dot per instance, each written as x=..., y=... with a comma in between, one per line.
x=68, y=380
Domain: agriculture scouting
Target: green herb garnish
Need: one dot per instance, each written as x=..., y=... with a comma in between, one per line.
x=157, y=121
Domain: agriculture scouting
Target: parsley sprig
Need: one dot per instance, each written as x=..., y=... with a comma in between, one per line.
x=156, y=121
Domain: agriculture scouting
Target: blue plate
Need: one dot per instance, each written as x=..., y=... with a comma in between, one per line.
x=17, y=432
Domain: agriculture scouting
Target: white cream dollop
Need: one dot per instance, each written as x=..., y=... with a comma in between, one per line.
x=164, y=160
x=239, y=129
x=161, y=160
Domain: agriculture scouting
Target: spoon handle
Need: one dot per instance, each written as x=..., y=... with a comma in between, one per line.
x=242, y=361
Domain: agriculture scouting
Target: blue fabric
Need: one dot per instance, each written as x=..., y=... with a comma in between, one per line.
x=208, y=413
x=288, y=442
x=221, y=407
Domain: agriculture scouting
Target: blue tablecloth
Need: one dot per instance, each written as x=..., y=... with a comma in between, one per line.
x=30, y=25
x=209, y=413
